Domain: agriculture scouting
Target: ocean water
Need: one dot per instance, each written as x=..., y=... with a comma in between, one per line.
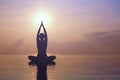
x=68, y=67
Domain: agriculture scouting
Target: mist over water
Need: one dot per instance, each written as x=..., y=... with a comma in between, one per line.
x=68, y=67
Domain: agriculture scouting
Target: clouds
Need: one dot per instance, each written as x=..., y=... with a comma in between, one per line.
x=109, y=40
x=16, y=46
x=101, y=42
x=105, y=36
x=12, y=48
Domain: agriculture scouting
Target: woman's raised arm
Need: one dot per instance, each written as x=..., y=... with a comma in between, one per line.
x=38, y=32
x=46, y=37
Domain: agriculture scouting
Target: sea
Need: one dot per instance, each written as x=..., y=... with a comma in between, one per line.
x=66, y=67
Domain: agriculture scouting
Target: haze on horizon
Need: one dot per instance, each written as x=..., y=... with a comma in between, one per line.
x=76, y=27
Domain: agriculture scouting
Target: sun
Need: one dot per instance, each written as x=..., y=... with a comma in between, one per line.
x=42, y=17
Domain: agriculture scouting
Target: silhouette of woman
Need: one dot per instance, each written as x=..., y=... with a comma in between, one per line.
x=42, y=43
x=42, y=47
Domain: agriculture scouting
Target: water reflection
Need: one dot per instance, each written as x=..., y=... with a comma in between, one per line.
x=42, y=70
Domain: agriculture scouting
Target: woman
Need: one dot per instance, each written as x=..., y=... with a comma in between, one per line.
x=42, y=47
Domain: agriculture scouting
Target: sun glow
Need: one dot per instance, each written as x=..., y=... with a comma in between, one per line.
x=42, y=17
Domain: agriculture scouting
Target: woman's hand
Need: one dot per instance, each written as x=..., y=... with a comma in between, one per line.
x=41, y=23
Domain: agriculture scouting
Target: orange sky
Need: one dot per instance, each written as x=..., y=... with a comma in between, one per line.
x=78, y=26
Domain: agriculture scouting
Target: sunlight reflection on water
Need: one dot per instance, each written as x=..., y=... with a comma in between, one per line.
x=68, y=67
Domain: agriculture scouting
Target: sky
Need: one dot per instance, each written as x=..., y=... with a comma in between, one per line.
x=75, y=27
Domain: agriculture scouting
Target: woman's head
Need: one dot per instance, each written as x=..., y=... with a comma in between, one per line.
x=41, y=36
